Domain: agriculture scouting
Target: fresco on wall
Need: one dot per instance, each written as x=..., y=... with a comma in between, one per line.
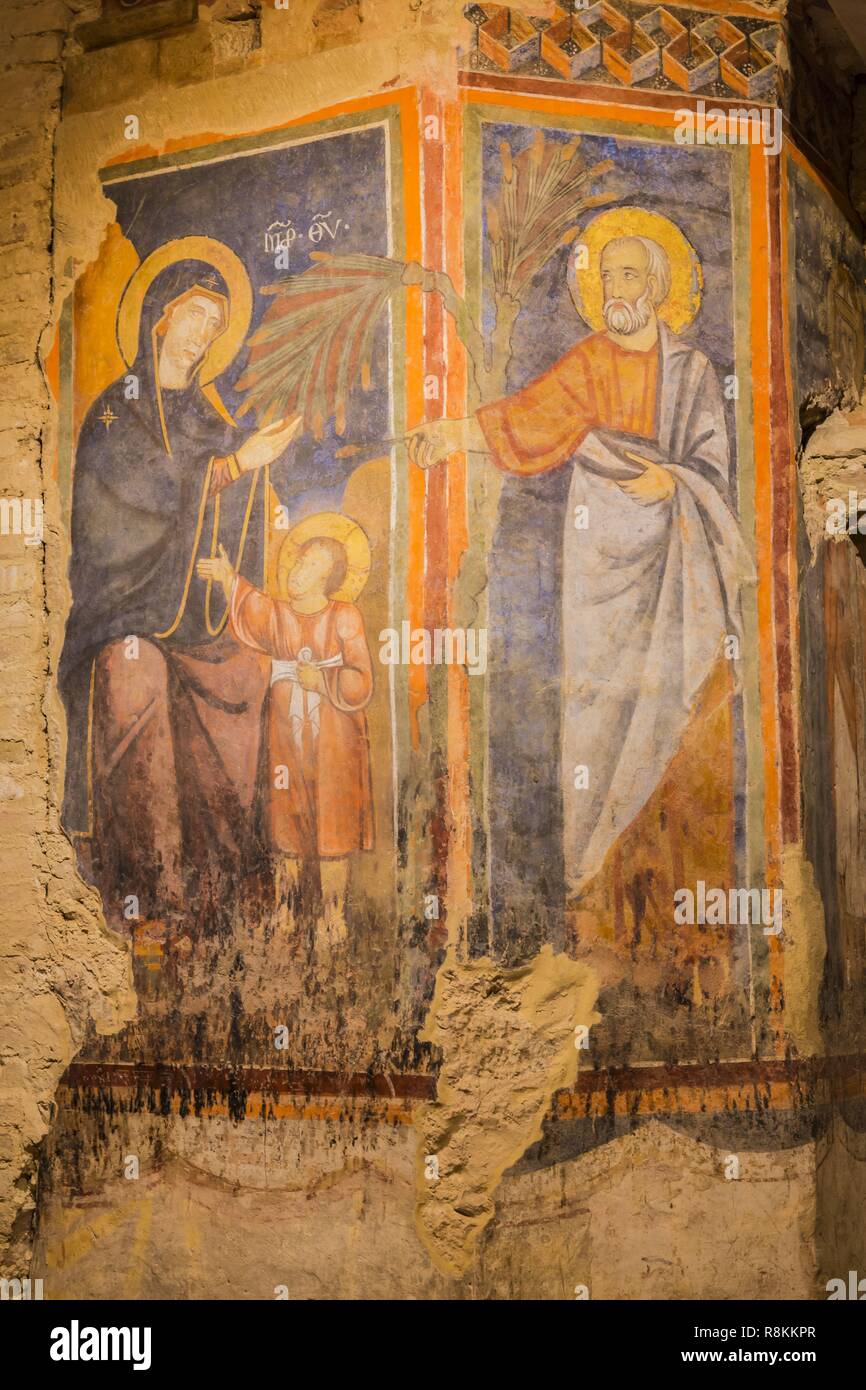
x=616, y=766
x=237, y=752
x=610, y=740
x=227, y=669
x=325, y=388
x=623, y=262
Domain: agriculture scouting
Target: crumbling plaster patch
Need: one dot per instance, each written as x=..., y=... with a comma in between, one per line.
x=833, y=464
x=508, y=1044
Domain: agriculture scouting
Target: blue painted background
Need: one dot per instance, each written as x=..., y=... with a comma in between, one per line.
x=235, y=200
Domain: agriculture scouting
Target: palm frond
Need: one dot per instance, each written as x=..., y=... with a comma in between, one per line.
x=543, y=190
x=315, y=339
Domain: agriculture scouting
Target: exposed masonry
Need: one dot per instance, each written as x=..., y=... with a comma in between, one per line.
x=59, y=966
x=833, y=464
x=514, y=1029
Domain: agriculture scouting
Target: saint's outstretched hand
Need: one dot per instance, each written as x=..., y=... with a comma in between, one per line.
x=435, y=440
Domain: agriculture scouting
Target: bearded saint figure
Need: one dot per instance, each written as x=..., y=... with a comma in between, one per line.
x=651, y=578
x=163, y=707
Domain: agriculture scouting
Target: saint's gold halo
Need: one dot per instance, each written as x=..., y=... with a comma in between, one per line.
x=584, y=274
x=339, y=528
x=190, y=248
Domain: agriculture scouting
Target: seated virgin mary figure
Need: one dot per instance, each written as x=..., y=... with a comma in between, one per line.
x=163, y=708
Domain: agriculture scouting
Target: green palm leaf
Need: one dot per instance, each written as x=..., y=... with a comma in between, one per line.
x=316, y=337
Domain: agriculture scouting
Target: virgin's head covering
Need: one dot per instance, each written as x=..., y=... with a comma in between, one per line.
x=184, y=266
x=174, y=284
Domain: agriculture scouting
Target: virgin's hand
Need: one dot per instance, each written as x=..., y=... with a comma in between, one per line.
x=217, y=570
x=266, y=445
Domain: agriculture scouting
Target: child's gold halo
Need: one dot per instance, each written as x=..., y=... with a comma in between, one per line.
x=337, y=527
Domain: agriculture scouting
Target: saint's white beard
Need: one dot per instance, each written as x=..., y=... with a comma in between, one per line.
x=622, y=317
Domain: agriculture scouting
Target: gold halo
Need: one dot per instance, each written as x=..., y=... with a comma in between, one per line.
x=190, y=248
x=683, y=299
x=339, y=528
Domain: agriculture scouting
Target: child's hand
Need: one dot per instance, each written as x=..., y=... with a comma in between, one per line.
x=311, y=677
x=219, y=569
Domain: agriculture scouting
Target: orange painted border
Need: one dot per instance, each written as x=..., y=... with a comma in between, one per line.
x=404, y=97
x=459, y=872
x=789, y=558
x=410, y=133
x=787, y=357
x=768, y=673
x=569, y=106
x=762, y=442
x=434, y=480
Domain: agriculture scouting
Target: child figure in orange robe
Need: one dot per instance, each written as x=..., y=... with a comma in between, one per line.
x=319, y=795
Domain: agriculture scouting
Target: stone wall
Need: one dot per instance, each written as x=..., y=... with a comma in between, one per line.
x=60, y=969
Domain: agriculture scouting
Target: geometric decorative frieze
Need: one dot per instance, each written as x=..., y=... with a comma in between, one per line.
x=623, y=43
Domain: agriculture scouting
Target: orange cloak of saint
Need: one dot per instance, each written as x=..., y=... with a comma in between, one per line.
x=319, y=802
x=596, y=383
